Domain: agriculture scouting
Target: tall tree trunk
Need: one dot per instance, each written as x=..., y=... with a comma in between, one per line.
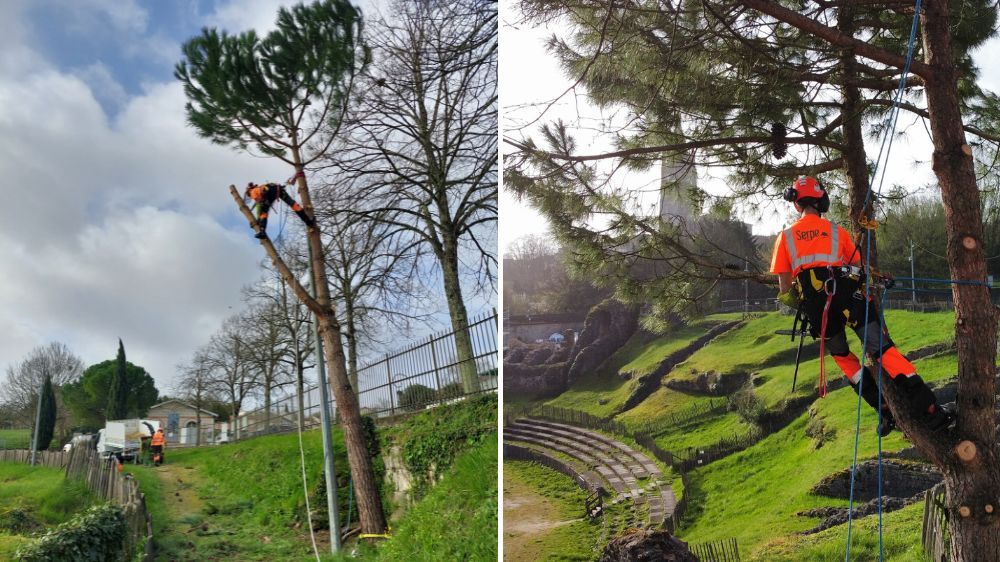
x=299, y=383
x=352, y=342
x=267, y=404
x=459, y=315
x=975, y=484
x=365, y=488
x=855, y=158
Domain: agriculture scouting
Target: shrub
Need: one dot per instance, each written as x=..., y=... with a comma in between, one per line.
x=97, y=535
x=432, y=439
x=18, y=521
x=449, y=391
x=416, y=396
x=747, y=405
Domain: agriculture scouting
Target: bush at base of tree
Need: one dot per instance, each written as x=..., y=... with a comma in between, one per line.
x=97, y=534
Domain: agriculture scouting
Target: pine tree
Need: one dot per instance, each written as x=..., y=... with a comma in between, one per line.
x=841, y=56
x=284, y=95
x=118, y=393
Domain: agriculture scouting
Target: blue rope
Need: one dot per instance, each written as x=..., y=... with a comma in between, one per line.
x=942, y=281
x=884, y=149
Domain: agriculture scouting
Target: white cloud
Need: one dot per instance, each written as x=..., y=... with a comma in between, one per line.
x=114, y=228
x=236, y=16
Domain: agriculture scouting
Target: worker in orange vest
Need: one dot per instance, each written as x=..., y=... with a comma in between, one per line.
x=265, y=194
x=818, y=271
x=156, y=445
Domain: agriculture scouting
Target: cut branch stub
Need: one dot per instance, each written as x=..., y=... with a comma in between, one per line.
x=966, y=150
x=989, y=508
x=966, y=451
x=964, y=511
x=969, y=243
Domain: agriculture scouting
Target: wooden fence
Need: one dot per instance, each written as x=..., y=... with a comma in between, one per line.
x=935, y=526
x=106, y=480
x=54, y=459
x=720, y=551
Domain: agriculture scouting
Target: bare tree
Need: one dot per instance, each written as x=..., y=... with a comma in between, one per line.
x=227, y=359
x=267, y=345
x=373, y=266
x=195, y=385
x=422, y=139
x=292, y=315
x=24, y=380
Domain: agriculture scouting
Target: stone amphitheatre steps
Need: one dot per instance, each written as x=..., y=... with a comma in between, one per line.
x=631, y=475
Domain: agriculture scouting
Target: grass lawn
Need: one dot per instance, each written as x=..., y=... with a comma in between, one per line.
x=42, y=496
x=244, y=501
x=754, y=495
x=744, y=349
x=542, y=514
x=639, y=356
x=900, y=536
x=15, y=438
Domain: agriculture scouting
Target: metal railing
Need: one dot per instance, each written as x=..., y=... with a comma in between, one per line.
x=424, y=374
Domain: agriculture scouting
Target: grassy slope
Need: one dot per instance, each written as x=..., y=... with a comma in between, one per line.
x=771, y=481
x=44, y=493
x=558, y=498
x=638, y=357
x=249, y=494
x=458, y=518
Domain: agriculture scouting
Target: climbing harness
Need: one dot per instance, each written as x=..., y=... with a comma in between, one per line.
x=830, y=287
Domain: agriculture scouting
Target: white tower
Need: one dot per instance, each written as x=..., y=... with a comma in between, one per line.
x=678, y=183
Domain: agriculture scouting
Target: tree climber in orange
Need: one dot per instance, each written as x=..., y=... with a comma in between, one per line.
x=265, y=194
x=817, y=266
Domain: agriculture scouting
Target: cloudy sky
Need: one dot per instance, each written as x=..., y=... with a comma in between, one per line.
x=117, y=220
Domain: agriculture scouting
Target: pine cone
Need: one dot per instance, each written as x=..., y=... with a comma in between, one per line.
x=778, y=146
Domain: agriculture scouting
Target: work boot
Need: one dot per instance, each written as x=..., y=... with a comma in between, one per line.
x=940, y=418
x=260, y=235
x=886, y=423
x=306, y=219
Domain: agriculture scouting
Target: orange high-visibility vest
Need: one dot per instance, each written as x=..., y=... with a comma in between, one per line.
x=257, y=192
x=158, y=439
x=812, y=242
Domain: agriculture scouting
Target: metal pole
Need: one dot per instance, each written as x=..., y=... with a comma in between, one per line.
x=38, y=422
x=324, y=415
x=913, y=277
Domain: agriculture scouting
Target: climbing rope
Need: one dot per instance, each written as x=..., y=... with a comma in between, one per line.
x=884, y=149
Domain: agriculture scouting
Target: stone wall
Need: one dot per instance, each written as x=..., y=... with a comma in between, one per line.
x=900, y=479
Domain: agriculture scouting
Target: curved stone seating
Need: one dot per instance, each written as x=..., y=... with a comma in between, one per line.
x=630, y=473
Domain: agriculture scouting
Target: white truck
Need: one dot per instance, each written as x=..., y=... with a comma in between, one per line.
x=123, y=438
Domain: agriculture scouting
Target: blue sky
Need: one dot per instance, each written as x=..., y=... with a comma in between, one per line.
x=122, y=224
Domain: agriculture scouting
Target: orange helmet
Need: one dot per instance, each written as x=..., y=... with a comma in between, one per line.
x=807, y=187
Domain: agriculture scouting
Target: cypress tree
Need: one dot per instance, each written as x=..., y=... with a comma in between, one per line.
x=118, y=393
x=47, y=421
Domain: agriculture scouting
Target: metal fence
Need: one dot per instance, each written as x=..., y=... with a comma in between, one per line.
x=426, y=373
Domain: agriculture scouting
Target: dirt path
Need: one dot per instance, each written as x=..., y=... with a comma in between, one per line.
x=528, y=518
x=184, y=509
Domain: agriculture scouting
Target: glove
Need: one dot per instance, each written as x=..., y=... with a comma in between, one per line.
x=789, y=299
